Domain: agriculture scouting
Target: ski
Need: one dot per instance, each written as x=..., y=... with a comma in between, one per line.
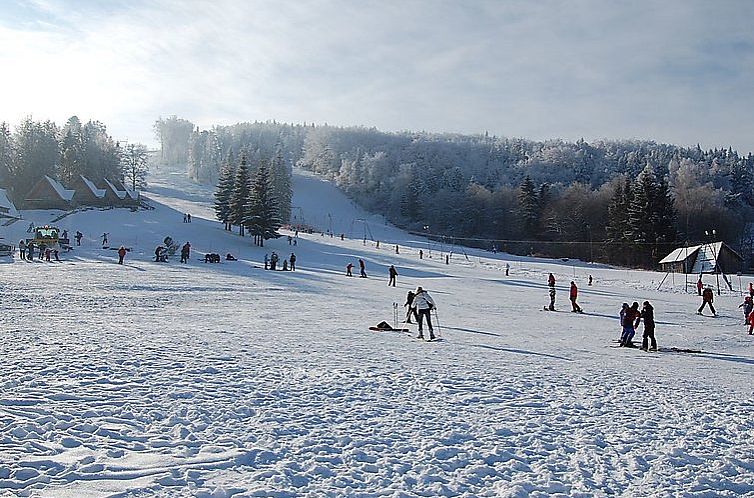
x=377, y=329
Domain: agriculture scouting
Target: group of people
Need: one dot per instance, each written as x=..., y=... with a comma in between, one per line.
x=630, y=317
x=362, y=269
x=27, y=251
x=271, y=262
x=573, y=293
x=187, y=217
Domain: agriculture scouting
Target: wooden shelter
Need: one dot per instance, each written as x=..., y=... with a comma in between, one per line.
x=49, y=194
x=87, y=193
x=715, y=257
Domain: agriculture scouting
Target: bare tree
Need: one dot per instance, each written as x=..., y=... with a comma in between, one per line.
x=135, y=165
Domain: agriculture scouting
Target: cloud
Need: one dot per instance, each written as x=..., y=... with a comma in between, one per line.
x=676, y=71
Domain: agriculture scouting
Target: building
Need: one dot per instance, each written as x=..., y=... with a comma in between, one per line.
x=49, y=194
x=7, y=209
x=87, y=193
x=116, y=196
x=705, y=258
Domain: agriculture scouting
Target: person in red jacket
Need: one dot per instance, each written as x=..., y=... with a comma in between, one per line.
x=121, y=254
x=707, y=297
x=699, y=285
x=573, y=295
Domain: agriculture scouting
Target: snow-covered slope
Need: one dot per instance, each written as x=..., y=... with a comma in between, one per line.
x=216, y=380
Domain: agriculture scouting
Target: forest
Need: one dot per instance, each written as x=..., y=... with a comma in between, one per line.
x=624, y=202
x=38, y=148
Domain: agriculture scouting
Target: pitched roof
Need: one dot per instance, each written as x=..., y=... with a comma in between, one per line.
x=120, y=193
x=680, y=254
x=97, y=192
x=63, y=192
x=6, y=206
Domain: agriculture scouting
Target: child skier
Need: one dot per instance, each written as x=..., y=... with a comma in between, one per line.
x=747, y=305
x=551, y=285
x=629, y=321
x=349, y=267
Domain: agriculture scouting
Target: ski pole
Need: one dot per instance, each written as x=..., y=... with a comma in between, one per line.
x=437, y=321
x=395, y=315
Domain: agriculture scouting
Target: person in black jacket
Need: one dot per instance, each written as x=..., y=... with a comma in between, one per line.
x=411, y=309
x=393, y=273
x=648, y=315
x=707, y=297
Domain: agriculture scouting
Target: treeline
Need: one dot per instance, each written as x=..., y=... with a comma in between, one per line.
x=38, y=148
x=475, y=188
x=255, y=199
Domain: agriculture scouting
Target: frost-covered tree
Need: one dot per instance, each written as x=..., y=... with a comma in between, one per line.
x=135, y=165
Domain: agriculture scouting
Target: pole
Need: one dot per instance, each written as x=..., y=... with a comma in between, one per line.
x=437, y=322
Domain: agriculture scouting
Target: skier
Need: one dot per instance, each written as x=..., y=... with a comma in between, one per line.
x=185, y=219
x=188, y=215
x=551, y=285
x=648, y=338
x=410, y=309
x=393, y=273
x=590, y=280
x=65, y=235
x=290, y=240
x=574, y=293
x=629, y=321
x=751, y=289
x=273, y=261
x=78, y=237
x=424, y=304
x=22, y=248
x=699, y=286
x=707, y=297
x=104, y=240
x=421, y=254
x=349, y=267
x=230, y=257
x=362, y=268
x=747, y=305
x=158, y=256
x=185, y=252
x=48, y=253
x=293, y=262
x=121, y=254
x=507, y=269
x=266, y=261
x=285, y=265
x=30, y=252
x=42, y=249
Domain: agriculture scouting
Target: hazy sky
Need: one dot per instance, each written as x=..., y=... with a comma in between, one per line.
x=674, y=71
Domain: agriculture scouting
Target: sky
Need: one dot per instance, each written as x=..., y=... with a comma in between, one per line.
x=678, y=72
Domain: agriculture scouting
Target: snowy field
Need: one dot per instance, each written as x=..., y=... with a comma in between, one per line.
x=220, y=380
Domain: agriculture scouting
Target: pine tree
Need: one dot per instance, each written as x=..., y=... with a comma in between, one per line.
x=528, y=207
x=240, y=196
x=261, y=209
x=280, y=182
x=224, y=193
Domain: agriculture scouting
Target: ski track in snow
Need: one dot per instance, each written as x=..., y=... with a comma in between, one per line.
x=225, y=380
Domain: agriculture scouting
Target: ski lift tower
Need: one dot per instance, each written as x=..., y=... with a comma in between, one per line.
x=297, y=217
x=367, y=230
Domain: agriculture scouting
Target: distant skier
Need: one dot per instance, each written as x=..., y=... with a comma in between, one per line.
x=573, y=295
x=648, y=338
x=551, y=285
x=707, y=298
x=747, y=306
x=121, y=254
x=393, y=273
x=274, y=260
x=362, y=268
x=158, y=257
x=266, y=261
x=424, y=304
x=230, y=257
x=78, y=237
x=507, y=269
x=629, y=321
x=410, y=309
x=290, y=240
x=104, y=240
x=42, y=249
x=349, y=267
x=293, y=262
x=48, y=253
x=590, y=280
x=30, y=251
x=185, y=218
x=188, y=215
x=699, y=286
x=22, y=248
x=285, y=265
x=421, y=254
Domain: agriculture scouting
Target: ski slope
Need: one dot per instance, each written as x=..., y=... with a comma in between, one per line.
x=220, y=380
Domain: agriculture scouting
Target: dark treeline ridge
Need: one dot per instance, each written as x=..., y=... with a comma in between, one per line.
x=624, y=202
x=38, y=148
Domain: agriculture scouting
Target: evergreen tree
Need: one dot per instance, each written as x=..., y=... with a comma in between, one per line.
x=261, y=209
x=240, y=196
x=280, y=183
x=6, y=155
x=224, y=193
x=72, y=161
x=528, y=203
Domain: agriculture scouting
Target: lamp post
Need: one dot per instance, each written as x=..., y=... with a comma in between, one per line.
x=429, y=249
x=710, y=240
x=591, y=253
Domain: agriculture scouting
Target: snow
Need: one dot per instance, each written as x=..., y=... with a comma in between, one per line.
x=100, y=193
x=219, y=380
x=63, y=192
